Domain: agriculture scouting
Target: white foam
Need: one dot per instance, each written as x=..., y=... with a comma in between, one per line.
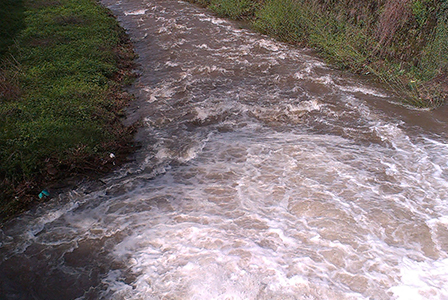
x=269, y=45
x=170, y=64
x=213, y=20
x=164, y=91
x=361, y=89
x=306, y=70
x=422, y=280
x=441, y=220
x=135, y=12
x=203, y=46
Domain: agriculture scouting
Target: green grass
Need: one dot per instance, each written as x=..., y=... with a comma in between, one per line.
x=283, y=19
x=235, y=9
x=11, y=23
x=58, y=79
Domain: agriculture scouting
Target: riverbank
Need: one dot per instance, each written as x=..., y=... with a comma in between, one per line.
x=403, y=44
x=62, y=75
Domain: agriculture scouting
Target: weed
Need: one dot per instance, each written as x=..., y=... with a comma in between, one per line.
x=283, y=19
x=235, y=9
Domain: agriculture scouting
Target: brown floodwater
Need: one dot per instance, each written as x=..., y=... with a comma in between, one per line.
x=263, y=174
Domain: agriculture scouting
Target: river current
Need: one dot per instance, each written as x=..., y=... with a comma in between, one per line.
x=263, y=174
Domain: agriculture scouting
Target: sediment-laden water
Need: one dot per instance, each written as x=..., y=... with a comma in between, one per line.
x=263, y=174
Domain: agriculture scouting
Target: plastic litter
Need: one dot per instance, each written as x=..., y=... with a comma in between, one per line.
x=44, y=194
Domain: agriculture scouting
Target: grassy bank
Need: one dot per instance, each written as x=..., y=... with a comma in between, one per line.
x=403, y=43
x=63, y=65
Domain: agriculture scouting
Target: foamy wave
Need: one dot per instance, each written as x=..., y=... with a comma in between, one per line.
x=135, y=12
x=422, y=280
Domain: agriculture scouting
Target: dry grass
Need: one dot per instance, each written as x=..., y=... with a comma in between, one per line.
x=396, y=13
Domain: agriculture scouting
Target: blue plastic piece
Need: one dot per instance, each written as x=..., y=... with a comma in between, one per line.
x=43, y=194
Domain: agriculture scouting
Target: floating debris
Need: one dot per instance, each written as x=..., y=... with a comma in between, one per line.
x=44, y=194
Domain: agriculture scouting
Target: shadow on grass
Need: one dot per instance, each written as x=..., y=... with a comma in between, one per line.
x=11, y=22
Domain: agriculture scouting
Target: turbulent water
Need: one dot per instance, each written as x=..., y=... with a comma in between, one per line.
x=263, y=174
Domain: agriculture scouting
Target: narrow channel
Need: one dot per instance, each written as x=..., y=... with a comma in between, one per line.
x=264, y=173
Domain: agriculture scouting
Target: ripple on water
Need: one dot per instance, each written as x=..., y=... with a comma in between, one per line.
x=263, y=174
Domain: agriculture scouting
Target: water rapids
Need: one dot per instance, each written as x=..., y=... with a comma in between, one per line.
x=263, y=174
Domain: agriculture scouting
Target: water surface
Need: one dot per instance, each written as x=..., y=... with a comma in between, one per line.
x=263, y=174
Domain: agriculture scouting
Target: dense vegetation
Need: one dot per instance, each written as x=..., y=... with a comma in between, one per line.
x=63, y=64
x=403, y=43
